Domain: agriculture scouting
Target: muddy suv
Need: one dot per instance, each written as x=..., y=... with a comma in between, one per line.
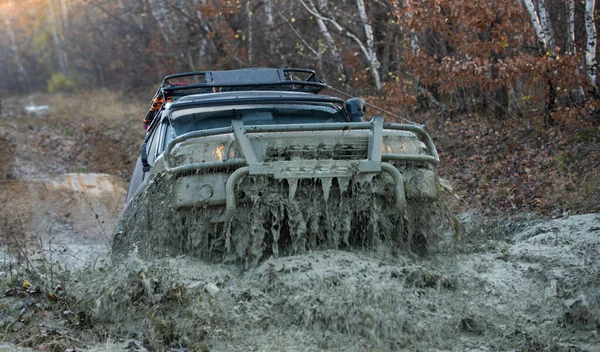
x=244, y=164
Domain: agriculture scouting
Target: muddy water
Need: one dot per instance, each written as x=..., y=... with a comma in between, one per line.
x=66, y=218
x=533, y=290
x=280, y=218
x=529, y=286
x=524, y=286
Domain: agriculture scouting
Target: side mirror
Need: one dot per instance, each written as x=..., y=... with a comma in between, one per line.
x=144, y=157
x=356, y=109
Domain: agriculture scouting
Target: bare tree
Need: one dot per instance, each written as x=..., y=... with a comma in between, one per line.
x=159, y=12
x=590, y=52
x=331, y=46
x=64, y=14
x=249, y=38
x=273, y=38
x=571, y=50
x=15, y=50
x=546, y=25
x=369, y=53
x=535, y=22
x=60, y=53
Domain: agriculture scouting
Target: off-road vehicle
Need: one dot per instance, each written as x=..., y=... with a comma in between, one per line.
x=243, y=164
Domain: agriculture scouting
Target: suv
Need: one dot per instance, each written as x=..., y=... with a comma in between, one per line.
x=243, y=164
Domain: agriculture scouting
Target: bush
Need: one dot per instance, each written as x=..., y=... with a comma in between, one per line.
x=60, y=83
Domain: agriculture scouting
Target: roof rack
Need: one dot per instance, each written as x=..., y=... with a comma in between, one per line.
x=283, y=79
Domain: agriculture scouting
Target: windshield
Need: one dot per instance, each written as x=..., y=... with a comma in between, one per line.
x=184, y=121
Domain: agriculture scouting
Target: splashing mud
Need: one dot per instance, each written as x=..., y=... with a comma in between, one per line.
x=280, y=218
x=506, y=287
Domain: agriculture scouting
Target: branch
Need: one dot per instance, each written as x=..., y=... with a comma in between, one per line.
x=312, y=50
x=339, y=28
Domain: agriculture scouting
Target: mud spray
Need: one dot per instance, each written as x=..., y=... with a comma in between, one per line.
x=279, y=218
x=351, y=285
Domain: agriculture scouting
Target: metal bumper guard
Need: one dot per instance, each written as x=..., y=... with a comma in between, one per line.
x=250, y=165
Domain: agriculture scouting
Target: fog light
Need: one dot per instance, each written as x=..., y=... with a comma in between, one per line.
x=205, y=192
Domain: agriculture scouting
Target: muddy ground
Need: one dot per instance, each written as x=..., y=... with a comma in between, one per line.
x=523, y=285
x=519, y=282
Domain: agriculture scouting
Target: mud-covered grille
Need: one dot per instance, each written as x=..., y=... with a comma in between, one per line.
x=341, y=151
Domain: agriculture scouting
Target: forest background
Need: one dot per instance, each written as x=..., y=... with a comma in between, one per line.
x=508, y=88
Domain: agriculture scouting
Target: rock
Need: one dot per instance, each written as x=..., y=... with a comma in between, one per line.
x=211, y=289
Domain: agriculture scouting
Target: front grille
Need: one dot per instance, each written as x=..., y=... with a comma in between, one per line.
x=357, y=150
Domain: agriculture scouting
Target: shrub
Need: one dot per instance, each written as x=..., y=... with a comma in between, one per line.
x=60, y=83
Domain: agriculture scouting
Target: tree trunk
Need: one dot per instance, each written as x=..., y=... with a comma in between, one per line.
x=535, y=22
x=65, y=14
x=501, y=94
x=61, y=55
x=578, y=94
x=15, y=50
x=590, y=50
x=249, y=37
x=571, y=50
x=273, y=37
x=157, y=13
x=372, y=55
x=543, y=32
x=331, y=46
x=546, y=26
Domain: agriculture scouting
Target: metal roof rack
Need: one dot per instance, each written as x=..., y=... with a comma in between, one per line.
x=252, y=79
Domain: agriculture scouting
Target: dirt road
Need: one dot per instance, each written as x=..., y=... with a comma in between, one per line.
x=509, y=284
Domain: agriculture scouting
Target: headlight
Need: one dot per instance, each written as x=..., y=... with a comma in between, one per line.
x=402, y=145
x=216, y=151
x=201, y=150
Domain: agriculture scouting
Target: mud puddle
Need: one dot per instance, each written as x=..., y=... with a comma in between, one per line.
x=69, y=219
x=533, y=289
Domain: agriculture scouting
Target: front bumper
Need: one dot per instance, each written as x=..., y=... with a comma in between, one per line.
x=208, y=189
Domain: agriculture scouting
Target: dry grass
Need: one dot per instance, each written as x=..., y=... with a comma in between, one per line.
x=96, y=106
x=91, y=131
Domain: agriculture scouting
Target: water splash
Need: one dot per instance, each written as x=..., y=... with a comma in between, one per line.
x=272, y=220
x=326, y=183
x=293, y=187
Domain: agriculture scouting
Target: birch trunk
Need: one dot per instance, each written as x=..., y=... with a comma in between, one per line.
x=546, y=25
x=372, y=56
x=547, y=28
x=345, y=32
x=535, y=22
x=157, y=14
x=202, y=51
x=61, y=55
x=331, y=46
x=206, y=45
x=578, y=94
x=268, y=4
x=65, y=14
x=15, y=50
x=571, y=50
x=249, y=12
x=590, y=50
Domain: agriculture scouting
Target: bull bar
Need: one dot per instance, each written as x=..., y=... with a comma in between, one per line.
x=250, y=165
